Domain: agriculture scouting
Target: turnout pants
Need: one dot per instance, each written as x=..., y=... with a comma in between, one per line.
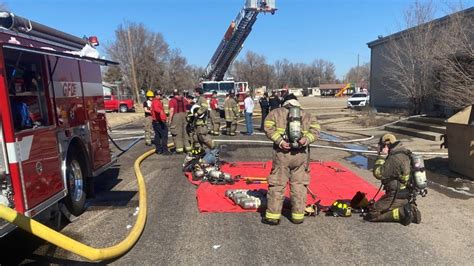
x=178, y=132
x=148, y=128
x=379, y=213
x=287, y=166
x=161, y=136
x=231, y=127
x=215, y=122
x=201, y=138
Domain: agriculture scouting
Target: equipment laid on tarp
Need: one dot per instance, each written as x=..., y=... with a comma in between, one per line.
x=205, y=167
x=326, y=185
x=340, y=208
x=246, y=198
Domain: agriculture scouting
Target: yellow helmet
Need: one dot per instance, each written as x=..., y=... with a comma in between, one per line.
x=150, y=94
x=340, y=208
x=390, y=138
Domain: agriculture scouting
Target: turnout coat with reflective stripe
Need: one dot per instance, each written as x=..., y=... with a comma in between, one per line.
x=203, y=108
x=277, y=122
x=394, y=169
x=231, y=109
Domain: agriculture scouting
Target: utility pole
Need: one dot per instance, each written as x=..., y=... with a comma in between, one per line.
x=132, y=64
x=358, y=78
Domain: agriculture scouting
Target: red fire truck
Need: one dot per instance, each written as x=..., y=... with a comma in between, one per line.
x=223, y=88
x=229, y=48
x=53, y=130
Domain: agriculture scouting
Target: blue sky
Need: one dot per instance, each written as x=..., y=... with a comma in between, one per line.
x=301, y=30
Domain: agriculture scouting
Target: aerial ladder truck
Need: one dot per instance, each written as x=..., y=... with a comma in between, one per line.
x=229, y=48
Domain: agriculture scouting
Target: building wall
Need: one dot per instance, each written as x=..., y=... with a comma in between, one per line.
x=381, y=91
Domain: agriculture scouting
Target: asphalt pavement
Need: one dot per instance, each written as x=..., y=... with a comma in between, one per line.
x=176, y=233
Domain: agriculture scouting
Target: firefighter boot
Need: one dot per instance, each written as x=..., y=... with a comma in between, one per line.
x=227, y=127
x=269, y=221
x=408, y=215
x=416, y=214
x=297, y=221
x=233, y=128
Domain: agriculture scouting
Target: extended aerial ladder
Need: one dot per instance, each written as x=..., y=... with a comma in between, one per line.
x=234, y=38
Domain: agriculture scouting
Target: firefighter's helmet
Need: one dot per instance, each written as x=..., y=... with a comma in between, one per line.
x=150, y=94
x=390, y=138
x=194, y=110
x=340, y=208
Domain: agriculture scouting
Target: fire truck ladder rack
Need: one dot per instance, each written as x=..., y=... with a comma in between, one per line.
x=234, y=38
x=22, y=25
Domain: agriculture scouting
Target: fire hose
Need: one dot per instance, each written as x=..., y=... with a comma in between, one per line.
x=246, y=141
x=94, y=254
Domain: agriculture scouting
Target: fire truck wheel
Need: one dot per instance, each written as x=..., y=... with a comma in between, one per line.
x=76, y=197
x=123, y=108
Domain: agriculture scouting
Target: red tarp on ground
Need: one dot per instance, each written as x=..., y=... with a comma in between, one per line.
x=329, y=181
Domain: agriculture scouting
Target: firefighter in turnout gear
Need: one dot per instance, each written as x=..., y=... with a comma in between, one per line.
x=148, y=122
x=201, y=136
x=291, y=130
x=215, y=115
x=231, y=109
x=393, y=168
x=177, y=121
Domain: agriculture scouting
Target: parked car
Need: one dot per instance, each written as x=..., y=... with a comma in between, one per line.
x=358, y=100
x=112, y=103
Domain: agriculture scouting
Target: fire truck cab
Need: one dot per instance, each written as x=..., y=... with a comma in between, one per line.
x=53, y=130
x=223, y=88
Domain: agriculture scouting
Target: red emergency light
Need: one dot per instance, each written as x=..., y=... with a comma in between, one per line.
x=94, y=41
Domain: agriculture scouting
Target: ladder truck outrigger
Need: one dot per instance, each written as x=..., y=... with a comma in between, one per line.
x=53, y=129
x=229, y=48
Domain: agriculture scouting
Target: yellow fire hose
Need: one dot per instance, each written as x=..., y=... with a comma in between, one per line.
x=69, y=244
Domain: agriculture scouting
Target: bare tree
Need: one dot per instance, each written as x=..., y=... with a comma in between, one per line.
x=410, y=57
x=325, y=71
x=178, y=75
x=196, y=74
x=142, y=56
x=254, y=69
x=359, y=75
x=283, y=73
x=455, y=69
x=432, y=61
x=329, y=72
x=112, y=74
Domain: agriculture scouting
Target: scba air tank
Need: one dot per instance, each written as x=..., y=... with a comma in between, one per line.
x=294, y=126
x=215, y=174
x=419, y=172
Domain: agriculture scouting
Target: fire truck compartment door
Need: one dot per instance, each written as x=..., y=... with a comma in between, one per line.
x=38, y=154
x=94, y=103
